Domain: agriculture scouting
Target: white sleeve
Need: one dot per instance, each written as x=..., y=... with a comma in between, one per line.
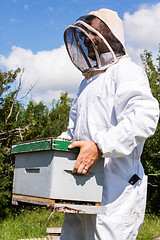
x=65, y=135
x=136, y=112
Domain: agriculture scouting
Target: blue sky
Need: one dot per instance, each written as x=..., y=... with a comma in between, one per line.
x=39, y=24
x=31, y=37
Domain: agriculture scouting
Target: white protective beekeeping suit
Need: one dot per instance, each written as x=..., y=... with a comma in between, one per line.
x=114, y=107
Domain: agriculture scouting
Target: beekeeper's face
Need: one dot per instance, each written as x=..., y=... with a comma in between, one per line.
x=88, y=39
x=99, y=43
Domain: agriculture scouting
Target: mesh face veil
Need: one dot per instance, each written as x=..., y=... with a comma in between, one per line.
x=95, y=41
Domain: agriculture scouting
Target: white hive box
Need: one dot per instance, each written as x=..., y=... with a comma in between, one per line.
x=43, y=175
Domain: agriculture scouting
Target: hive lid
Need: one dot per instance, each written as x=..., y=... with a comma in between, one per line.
x=41, y=145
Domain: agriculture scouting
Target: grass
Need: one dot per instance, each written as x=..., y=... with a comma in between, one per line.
x=29, y=224
x=33, y=224
x=150, y=228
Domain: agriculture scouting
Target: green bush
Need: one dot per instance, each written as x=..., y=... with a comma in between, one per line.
x=151, y=153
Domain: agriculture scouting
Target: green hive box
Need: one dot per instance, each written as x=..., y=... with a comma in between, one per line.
x=43, y=175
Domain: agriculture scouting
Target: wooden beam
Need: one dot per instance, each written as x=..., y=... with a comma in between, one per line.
x=54, y=230
x=33, y=199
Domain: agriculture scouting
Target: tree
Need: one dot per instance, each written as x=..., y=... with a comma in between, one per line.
x=59, y=114
x=9, y=130
x=151, y=153
x=35, y=116
x=44, y=123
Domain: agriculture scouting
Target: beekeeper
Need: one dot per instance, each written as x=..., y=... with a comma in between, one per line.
x=112, y=115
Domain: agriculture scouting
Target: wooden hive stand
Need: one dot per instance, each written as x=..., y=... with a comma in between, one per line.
x=54, y=232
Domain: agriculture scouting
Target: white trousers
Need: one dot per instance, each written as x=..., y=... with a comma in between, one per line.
x=122, y=221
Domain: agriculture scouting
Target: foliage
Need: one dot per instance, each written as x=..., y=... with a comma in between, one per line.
x=44, y=123
x=59, y=114
x=151, y=153
x=9, y=113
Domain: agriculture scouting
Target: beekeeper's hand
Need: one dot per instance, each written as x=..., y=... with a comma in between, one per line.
x=87, y=157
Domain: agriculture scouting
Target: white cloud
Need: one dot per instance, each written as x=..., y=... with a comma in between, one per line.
x=52, y=71
x=142, y=30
